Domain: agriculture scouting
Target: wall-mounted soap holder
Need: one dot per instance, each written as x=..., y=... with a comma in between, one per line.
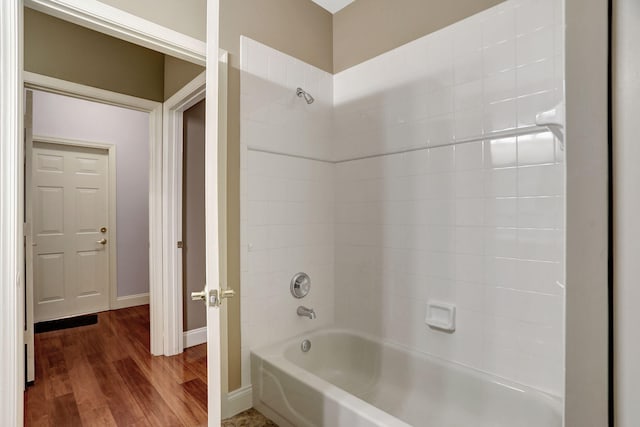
x=441, y=316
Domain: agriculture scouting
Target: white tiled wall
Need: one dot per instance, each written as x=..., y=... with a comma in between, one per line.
x=287, y=203
x=478, y=224
x=272, y=116
x=493, y=71
x=288, y=228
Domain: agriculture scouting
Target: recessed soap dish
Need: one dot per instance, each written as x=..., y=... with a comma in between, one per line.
x=441, y=316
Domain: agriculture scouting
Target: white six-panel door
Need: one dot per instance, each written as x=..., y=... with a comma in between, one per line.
x=70, y=236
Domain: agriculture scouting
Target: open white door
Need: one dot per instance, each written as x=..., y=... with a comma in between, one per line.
x=173, y=152
x=212, y=288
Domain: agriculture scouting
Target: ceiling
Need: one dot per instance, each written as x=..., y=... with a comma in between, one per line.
x=333, y=5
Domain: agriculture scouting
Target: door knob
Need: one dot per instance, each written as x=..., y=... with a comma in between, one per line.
x=214, y=296
x=102, y=241
x=197, y=296
x=217, y=295
x=227, y=293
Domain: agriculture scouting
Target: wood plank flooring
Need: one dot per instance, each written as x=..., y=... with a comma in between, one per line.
x=104, y=375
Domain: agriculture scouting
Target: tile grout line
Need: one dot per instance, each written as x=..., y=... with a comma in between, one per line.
x=527, y=130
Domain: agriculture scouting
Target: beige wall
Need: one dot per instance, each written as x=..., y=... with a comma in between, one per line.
x=193, y=196
x=367, y=28
x=185, y=16
x=60, y=49
x=299, y=28
x=57, y=48
x=177, y=73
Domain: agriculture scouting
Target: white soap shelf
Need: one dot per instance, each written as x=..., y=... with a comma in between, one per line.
x=441, y=316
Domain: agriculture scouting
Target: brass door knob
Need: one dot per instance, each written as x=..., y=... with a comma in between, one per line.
x=102, y=241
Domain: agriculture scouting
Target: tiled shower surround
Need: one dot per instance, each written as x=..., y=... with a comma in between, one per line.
x=287, y=203
x=478, y=225
x=385, y=216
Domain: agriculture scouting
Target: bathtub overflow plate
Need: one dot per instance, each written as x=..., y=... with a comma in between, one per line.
x=305, y=346
x=300, y=285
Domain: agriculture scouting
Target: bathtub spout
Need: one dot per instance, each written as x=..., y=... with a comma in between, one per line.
x=306, y=312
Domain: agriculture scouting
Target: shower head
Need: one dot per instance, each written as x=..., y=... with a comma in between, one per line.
x=302, y=94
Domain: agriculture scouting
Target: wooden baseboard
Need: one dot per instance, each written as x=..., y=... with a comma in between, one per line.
x=130, y=301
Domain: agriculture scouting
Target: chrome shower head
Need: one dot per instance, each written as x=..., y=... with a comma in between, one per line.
x=302, y=94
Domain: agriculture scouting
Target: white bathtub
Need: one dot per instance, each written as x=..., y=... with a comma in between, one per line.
x=348, y=379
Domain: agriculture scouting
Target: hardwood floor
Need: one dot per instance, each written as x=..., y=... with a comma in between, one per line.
x=104, y=375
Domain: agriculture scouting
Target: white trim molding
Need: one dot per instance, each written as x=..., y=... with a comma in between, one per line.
x=156, y=302
x=194, y=337
x=172, y=141
x=77, y=90
x=11, y=228
x=238, y=401
x=130, y=301
x=49, y=84
x=115, y=22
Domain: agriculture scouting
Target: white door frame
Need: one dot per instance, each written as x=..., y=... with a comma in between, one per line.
x=112, y=200
x=50, y=84
x=11, y=225
x=172, y=141
x=173, y=113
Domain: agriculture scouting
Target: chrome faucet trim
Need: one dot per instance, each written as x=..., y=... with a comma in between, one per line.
x=306, y=312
